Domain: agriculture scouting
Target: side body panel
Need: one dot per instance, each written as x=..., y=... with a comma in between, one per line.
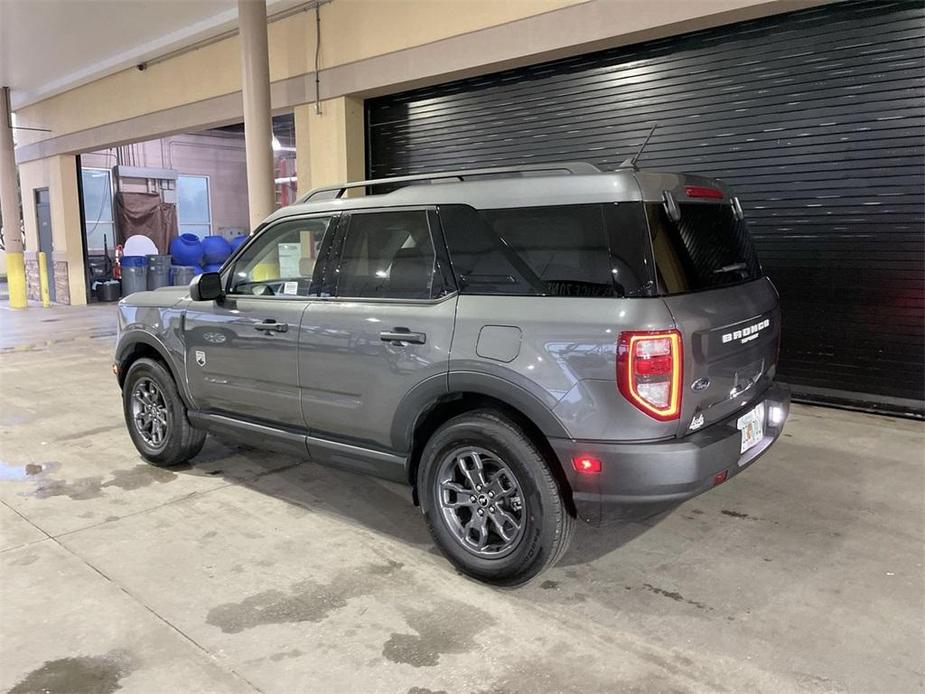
x=237, y=367
x=566, y=359
x=352, y=381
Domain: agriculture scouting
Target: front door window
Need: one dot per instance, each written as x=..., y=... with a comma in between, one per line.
x=282, y=261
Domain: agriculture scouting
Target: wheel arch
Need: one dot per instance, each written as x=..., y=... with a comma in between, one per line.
x=537, y=421
x=137, y=345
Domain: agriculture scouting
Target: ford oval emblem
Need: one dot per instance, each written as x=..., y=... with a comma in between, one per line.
x=700, y=384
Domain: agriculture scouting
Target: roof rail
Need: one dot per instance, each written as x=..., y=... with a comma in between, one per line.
x=576, y=168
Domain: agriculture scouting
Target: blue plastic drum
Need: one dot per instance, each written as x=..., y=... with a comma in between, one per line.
x=186, y=249
x=215, y=249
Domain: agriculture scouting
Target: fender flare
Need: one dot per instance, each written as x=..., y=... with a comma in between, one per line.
x=429, y=392
x=126, y=345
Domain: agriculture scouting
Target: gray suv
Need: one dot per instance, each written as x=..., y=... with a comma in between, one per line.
x=523, y=347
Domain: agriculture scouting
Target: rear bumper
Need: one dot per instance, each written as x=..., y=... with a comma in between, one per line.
x=653, y=476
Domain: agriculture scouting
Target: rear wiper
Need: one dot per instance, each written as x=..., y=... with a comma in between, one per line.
x=730, y=268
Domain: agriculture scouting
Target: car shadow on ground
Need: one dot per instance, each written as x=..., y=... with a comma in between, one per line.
x=378, y=505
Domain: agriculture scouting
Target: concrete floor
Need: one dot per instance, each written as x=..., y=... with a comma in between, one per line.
x=250, y=572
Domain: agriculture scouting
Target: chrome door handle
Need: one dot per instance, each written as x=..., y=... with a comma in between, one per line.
x=403, y=335
x=271, y=326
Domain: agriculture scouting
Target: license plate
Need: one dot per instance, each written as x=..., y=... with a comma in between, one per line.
x=751, y=424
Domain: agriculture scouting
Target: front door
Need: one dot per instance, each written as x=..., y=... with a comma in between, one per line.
x=386, y=329
x=242, y=351
x=46, y=243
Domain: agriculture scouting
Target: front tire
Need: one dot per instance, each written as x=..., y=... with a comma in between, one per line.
x=156, y=416
x=491, y=501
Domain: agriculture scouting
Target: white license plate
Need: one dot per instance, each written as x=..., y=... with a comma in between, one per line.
x=751, y=424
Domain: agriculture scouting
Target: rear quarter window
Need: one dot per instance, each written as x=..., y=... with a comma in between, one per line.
x=562, y=250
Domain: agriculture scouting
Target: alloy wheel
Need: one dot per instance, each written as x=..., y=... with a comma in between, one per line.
x=480, y=501
x=149, y=412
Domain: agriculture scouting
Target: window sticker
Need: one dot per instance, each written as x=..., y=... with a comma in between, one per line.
x=291, y=288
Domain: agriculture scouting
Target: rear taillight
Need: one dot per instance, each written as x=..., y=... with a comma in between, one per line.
x=649, y=371
x=704, y=192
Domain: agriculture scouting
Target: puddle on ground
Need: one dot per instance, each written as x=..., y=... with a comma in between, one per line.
x=307, y=601
x=82, y=488
x=19, y=473
x=433, y=638
x=79, y=490
x=82, y=675
x=140, y=476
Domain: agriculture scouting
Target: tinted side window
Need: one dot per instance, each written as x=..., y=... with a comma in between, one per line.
x=563, y=250
x=483, y=262
x=630, y=250
x=282, y=260
x=709, y=248
x=387, y=255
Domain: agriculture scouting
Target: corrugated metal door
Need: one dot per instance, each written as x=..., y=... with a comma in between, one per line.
x=816, y=117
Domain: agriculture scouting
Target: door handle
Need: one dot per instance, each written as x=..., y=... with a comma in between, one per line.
x=271, y=326
x=403, y=335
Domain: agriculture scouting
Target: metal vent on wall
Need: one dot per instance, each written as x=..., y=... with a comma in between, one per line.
x=815, y=117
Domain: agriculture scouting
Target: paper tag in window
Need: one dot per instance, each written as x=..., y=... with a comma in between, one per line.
x=290, y=288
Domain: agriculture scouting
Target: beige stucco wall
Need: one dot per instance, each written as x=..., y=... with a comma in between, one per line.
x=351, y=30
x=32, y=175
x=59, y=175
x=330, y=146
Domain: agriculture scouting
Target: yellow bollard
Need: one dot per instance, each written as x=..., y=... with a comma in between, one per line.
x=43, y=280
x=16, y=278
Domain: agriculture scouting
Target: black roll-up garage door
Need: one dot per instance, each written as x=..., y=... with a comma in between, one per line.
x=815, y=117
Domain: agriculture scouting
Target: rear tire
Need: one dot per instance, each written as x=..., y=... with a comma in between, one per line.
x=156, y=415
x=491, y=501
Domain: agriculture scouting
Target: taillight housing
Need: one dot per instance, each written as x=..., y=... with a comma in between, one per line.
x=704, y=192
x=649, y=371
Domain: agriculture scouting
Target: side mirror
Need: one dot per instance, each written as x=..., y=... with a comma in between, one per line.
x=206, y=287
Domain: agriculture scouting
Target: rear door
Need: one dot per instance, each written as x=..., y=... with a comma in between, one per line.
x=242, y=351
x=726, y=310
x=386, y=329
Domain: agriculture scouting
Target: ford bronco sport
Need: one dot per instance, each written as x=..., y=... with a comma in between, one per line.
x=522, y=347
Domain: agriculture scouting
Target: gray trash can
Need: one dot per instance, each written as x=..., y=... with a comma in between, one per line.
x=158, y=271
x=182, y=275
x=134, y=274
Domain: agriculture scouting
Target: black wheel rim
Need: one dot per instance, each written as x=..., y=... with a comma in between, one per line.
x=149, y=412
x=480, y=501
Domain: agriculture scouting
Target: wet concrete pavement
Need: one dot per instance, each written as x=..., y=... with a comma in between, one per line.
x=250, y=571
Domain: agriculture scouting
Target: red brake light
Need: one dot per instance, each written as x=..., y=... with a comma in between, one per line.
x=649, y=370
x=587, y=464
x=703, y=192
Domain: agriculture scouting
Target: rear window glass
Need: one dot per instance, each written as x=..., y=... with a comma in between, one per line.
x=709, y=248
x=563, y=250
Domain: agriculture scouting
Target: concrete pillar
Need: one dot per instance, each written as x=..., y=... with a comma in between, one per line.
x=9, y=207
x=330, y=146
x=67, y=233
x=258, y=124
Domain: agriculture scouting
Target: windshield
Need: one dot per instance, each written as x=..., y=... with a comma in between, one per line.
x=708, y=249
